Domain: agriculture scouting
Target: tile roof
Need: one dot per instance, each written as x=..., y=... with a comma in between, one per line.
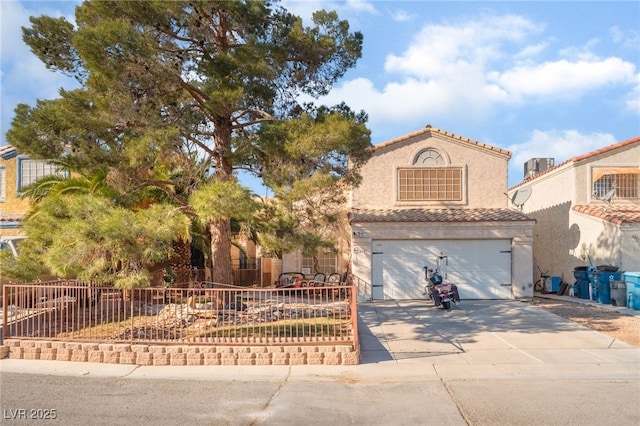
x=430, y=129
x=614, y=213
x=437, y=215
x=12, y=217
x=6, y=149
x=588, y=155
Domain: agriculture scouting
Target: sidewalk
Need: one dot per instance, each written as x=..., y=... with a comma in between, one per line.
x=483, y=362
x=476, y=339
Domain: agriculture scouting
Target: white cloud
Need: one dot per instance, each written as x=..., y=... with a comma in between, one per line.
x=349, y=10
x=441, y=49
x=360, y=6
x=470, y=69
x=633, y=99
x=629, y=39
x=532, y=50
x=415, y=100
x=402, y=16
x=563, y=77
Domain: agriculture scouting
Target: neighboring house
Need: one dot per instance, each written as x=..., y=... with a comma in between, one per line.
x=432, y=192
x=587, y=210
x=17, y=172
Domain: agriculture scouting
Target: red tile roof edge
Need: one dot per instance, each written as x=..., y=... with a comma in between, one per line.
x=437, y=215
x=635, y=139
x=430, y=129
x=616, y=214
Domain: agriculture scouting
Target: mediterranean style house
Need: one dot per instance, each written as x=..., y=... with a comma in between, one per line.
x=432, y=196
x=587, y=210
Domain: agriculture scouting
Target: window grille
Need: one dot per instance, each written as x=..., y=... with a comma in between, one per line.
x=243, y=261
x=619, y=185
x=428, y=157
x=325, y=262
x=32, y=170
x=432, y=184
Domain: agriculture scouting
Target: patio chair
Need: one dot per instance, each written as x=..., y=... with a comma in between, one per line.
x=315, y=282
x=334, y=280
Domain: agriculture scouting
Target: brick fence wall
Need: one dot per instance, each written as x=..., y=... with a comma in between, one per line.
x=140, y=354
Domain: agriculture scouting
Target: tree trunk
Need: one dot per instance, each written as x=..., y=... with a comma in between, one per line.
x=221, y=251
x=181, y=262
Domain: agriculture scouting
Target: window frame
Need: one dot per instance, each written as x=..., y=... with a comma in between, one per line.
x=22, y=161
x=609, y=181
x=454, y=198
x=307, y=262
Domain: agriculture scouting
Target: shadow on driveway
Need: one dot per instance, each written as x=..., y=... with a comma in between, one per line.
x=402, y=329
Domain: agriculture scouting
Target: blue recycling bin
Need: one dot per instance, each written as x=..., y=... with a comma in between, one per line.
x=582, y=281
x=632, y=281
x=600, y=279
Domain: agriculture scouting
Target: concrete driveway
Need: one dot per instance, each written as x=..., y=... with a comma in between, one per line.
x=480, y=337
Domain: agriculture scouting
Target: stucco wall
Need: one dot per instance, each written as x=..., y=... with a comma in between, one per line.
x=484, y=171
x=563, y=238
x=13, y=208
x=630, y=248
x=605, y=243
x=12, y=203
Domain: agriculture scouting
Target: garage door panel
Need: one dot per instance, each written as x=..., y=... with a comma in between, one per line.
x=480, y=268
x=405, y=273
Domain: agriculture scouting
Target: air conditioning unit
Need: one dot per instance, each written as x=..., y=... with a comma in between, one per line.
x=537, y=165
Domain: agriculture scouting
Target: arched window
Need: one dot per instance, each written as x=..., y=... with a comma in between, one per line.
x=428, y=157
x=430, y=178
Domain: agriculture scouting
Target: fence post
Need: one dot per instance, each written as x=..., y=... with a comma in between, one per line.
x=131, y=297
x=354, y=316
x=5, y=314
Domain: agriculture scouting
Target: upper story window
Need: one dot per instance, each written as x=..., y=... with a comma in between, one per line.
x=29, y=171
x=431, y=180
x=428, y=157
x=622, y=185
x=430, y=184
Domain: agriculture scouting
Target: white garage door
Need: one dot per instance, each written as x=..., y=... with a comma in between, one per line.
x=480, y=268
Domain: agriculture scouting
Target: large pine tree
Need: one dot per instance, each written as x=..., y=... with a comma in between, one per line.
x=167, y=85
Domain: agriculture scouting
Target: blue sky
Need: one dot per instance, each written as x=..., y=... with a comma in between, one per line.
x=542, y=79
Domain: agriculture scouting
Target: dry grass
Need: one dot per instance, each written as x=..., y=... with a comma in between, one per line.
x=607, y=321
x=151, y=327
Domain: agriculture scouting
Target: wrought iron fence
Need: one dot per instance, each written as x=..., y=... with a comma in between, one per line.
x=209, y=314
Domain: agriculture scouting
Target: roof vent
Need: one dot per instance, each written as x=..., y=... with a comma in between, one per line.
x=535, y=166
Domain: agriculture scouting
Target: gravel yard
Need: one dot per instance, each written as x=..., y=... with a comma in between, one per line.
x=607, y=321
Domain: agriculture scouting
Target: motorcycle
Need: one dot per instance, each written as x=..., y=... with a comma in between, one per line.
x=442, y=293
